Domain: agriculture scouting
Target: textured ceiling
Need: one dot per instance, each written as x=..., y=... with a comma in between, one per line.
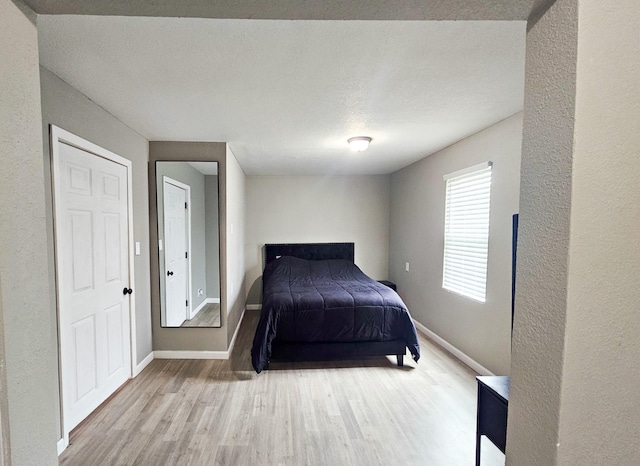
x=504, y=10
x=286, y=95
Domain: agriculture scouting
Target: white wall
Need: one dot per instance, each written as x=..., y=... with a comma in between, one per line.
x=235, y=231
x=481, y=330
x=28, y=364
x=317, y=209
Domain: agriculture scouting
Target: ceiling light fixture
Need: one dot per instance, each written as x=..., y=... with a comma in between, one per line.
x=359, y=143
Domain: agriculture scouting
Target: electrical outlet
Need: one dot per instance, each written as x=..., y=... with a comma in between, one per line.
x=406, y=267
x=200, y=291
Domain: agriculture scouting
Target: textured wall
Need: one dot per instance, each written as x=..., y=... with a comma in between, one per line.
x=29, y=362
x=317, y=209
x=600, y=403
x=5, y=441
x=480, y=330
x=186, y=339
x=543, y=243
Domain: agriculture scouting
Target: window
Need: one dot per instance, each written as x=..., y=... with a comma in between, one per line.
x=466, y=231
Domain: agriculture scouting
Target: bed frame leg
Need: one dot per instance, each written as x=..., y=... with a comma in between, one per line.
x=400, y=358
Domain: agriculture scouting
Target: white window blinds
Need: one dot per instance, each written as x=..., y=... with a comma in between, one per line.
x=466, y=231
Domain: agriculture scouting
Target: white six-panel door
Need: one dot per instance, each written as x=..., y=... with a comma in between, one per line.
x=93, y=278
x=175, y=200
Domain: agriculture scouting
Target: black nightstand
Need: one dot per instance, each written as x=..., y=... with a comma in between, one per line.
x=389, y=284
x=493, y=405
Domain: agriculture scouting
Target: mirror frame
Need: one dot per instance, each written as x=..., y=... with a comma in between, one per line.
x=179, y=342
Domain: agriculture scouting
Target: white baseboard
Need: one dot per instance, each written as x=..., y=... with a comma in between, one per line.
x=214, y=300
x=61, y=446
x=235, y=334
x=171, y=354
x=254, y=307
x=479, y=368
x=144, y=363
x=194, y=312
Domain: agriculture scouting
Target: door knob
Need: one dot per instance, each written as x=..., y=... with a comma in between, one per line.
x=169, y=273
x=127, y=291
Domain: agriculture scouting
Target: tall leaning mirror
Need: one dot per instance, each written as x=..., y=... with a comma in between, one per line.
x=188, y=244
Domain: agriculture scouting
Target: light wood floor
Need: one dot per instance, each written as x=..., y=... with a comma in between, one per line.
x=205, y=412
x=209, y=316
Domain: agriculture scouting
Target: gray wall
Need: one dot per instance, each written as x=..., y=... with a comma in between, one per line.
x=188, y=339
x=64, y=106
x=234, y=231
x=67, y=108
x=300, y=209
x=212, y=234
x=28, y=365
x=188, y=175
x=480, y=330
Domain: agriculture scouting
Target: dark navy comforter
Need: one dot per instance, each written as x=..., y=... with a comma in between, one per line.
x=327, y=301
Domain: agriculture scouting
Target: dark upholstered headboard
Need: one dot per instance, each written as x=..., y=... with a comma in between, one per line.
x=310, y=251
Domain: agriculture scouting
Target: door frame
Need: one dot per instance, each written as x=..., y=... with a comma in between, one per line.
x=58, y=136
x=187, y=188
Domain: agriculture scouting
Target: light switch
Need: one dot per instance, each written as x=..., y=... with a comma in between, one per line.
x=160, y=244
x=137, y=248
x=406, y=267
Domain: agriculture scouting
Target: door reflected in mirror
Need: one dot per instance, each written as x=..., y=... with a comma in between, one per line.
x=188, y=244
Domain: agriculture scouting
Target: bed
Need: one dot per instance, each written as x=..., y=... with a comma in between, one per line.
x=318, y=305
